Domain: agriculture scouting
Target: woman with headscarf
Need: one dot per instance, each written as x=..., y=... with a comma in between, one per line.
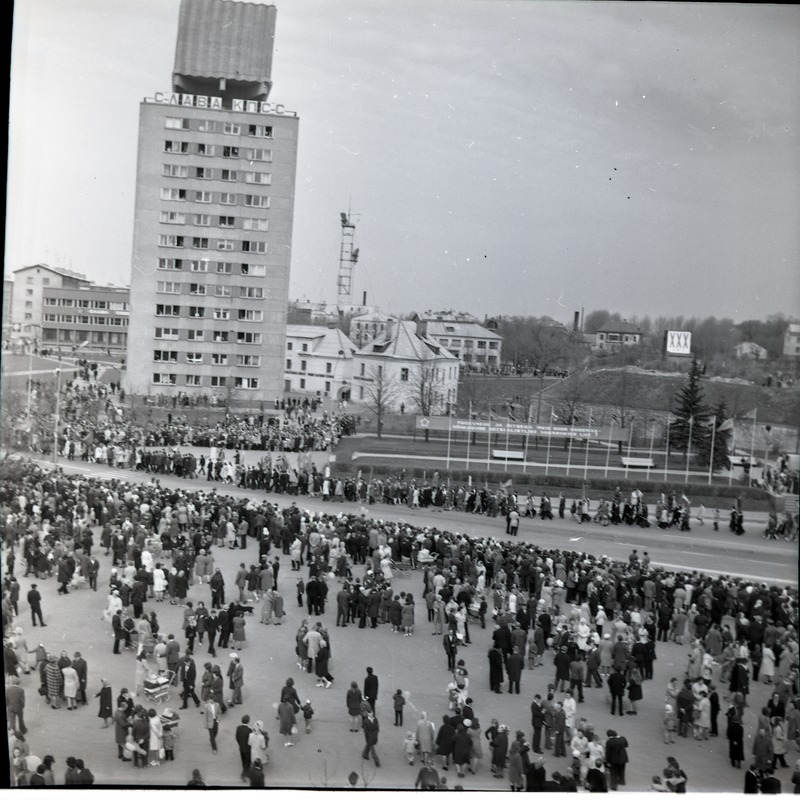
x=156, y=737
x=515, y=767
x=286, y=715
x=499, y=751
x=106, y=711
x=462, y=748
x=258, y=743
x=54, y=681
x=71, y=686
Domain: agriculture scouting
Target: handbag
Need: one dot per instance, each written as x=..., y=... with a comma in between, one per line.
x=161, y=752
x=295, y=731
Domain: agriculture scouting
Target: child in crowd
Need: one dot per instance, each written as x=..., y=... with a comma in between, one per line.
x=170, y=738
x=410, y=747
x=308, y=713
x=670, y=724
x=398, y=701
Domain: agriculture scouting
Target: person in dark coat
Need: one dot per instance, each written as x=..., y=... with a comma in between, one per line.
x=514, y=668
x=445, y=741
x=735, y=734
x=243, y=731
x=616, y=685
x=616, y=758
x=596, y=778
x=751, y=780
x=81, y=667
x=500, y=751
x=462, y=747
x=536, y=776
x=371, y=728
x=371, y=688
x=106, y=711
x=495, y=668
x=561, y=662
x=188, y=675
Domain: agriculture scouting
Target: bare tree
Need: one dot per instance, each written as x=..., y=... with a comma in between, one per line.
x=424, y=385
x=380, y=394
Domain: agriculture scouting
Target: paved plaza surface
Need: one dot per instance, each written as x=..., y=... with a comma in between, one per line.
x=416, y=665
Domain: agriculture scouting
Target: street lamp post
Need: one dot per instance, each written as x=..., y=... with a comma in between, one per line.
x=58, y=417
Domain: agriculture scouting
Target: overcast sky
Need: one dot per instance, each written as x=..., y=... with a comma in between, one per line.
x=498, y=157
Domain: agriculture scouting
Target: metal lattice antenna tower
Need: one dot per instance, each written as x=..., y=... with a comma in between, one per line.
x=348, y=258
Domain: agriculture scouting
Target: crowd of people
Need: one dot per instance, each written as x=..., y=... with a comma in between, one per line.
x=597, y=621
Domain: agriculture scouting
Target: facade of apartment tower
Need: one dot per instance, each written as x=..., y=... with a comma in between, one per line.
x=212, y=238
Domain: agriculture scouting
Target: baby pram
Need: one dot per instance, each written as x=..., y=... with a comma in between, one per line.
x=156, y=687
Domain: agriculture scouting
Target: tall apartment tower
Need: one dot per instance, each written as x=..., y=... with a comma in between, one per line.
x=215, y=185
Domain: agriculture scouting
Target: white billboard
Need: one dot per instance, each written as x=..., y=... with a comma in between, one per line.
x=679, y=343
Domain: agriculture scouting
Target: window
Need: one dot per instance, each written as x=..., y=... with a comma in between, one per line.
x=304, y=347
x=249, y=315
x=404, y=374
x=166, y=333
x=220, y=336
x=225, y=244
x=222, y=291
x=172, y=218
x=202, y=219
x=202, y=197
x=176, y=147
x=166, y=355
x=327, y=386
x=256, y=200
x=363, y=367
x=205, y=149
x=251, y=292
x=254, y=247
x=254, y=270
x=255, y=224
x=198, y=265
x=197, y=288
x=173, y=194
x=227, y=222
x=200, y=242
x=29, y=292
x=248, y=361
x=29, y=279
x=218, y=381
x=224, y=267
x=168, y=287
x=165, y=240
x=289, y=345
x=233, y=128
x=195, y=336
x=207, y=126
x=243, y=337
x=222, y=313
x=328, y=367
x=227, y=198
x=360, y=392
x=258, y=154
x=176, y=123
x=230, y=152
x=288, y=363
x=245, y=383
x=229, y=175
x=481, y=345
x=219, y=359
x=165, y=379
x=493, y=345
x=175, y=171
x=302, y=383
x=303, y=366
x=29, y=304
x=197, y=312
x=167, y=311
x=260, y=130
x=264, y=178
x=203, y=173
x=193, y=380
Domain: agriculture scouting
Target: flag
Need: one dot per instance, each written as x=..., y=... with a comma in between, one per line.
x=726, y=426
x=685, y=499
x=507, y=484
x=751, y=415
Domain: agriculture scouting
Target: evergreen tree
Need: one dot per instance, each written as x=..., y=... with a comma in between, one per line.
x=722, y=434
x=691, y=415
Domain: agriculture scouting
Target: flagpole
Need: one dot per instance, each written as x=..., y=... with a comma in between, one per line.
x=711, y=459
x=469, y=431
x=489, y=440
x=449, y=430
x=688, y=450
x=508, y=425
x=549, y=439
x=652, y=442
x=527, y=436
x=752, y=447
x=630, y=439
x=733, y=453
x=608, y=449
x=666, y=450
x=569, y=450
x=588, y=437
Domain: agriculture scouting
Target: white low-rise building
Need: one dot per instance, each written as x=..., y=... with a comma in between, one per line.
x=319, y=362
x=410, y=370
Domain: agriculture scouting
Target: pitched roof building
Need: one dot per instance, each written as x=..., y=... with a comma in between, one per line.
x=615, y=335
x=319, y=362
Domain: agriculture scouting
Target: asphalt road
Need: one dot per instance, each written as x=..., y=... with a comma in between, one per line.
x=413, y=664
